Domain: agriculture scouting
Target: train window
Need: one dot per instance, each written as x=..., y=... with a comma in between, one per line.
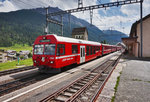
x=98, y=48
x=74, y=49
x=49, y=49
x=87, y=50
x=94, y=49
x=60, y=49
x=38, y=49
x=90, y=50
x=83, y=52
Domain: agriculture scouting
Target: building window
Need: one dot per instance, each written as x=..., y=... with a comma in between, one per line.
x=60, y=49
x=74, y=49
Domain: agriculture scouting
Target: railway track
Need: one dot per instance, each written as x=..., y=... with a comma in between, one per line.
x=6, y=72
x=86, y=88
x=20, y=83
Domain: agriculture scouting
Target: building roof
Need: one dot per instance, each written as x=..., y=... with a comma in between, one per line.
x=79, y=31
x=134, y=25
x=24, y=52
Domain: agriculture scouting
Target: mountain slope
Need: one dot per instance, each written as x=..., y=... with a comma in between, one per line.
x=113, y=36
x=23, y=26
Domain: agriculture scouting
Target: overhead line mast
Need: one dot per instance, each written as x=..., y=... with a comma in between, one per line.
x=80, y=3
x=95, y=7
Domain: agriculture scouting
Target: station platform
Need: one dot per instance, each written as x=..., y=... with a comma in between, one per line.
x=134, y=84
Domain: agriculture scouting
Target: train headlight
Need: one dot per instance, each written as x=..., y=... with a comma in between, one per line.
x=51, y=62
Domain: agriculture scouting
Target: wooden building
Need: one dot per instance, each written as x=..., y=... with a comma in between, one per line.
x=3, y=56
x=80, y=33
x=133, y=42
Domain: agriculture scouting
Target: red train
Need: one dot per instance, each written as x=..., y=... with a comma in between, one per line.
x=52, y=52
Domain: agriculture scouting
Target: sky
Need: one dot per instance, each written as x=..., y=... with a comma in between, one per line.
x=118, y=18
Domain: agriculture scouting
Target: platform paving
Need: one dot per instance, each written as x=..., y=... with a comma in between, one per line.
x=134, y=85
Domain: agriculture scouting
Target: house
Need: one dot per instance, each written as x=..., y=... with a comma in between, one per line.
x=121, y=44
x=133, y=42
x=11, y=55
x=80, y=33
x=24, y=53
x=3, y=55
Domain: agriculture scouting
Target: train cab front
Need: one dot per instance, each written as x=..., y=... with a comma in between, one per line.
x=44, y=54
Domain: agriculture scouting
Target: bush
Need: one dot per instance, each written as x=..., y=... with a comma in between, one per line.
x=30, y=55
x=21, y=57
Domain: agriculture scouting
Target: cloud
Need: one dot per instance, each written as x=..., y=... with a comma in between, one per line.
x=6, y=6
x=120, y=18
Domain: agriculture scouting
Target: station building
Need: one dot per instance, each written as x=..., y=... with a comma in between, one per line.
x=80, y=33
x=133, y=41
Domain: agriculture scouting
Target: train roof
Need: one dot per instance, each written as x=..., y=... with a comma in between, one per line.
x=72, y=40
x=106, y=44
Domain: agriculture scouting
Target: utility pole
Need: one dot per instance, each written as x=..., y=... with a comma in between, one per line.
x=141, y=26
x=46, y=28
x=69, y=18
x=91, y=15
x=61, y=25
x=49, y=19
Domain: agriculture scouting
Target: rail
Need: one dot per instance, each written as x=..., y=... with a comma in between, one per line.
x=6, y=72
x=84, y=89
x=20, y=83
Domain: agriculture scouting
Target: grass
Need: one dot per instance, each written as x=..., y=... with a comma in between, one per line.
x=136, y=80
x=17, y=47
x=140, y=80
x=14, y=64
x=116, y=87
x=148, y=81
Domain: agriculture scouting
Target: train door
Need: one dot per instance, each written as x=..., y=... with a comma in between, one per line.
x=82, y=54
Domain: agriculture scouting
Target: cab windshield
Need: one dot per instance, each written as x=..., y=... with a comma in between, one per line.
x=49, y=49
x=38, y=49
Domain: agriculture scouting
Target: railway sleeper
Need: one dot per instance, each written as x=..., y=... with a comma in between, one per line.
x=84, y=97
x=86, y=80
x=79, y=84
x=78, y=100
x=91, y=90
x=68, y=93
x=61, y=99
x=93, y=73
x=72, y=90
x=88, y=93
x=89, y=77
x=75, y=88
x=83, y=82
x=94, y=86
